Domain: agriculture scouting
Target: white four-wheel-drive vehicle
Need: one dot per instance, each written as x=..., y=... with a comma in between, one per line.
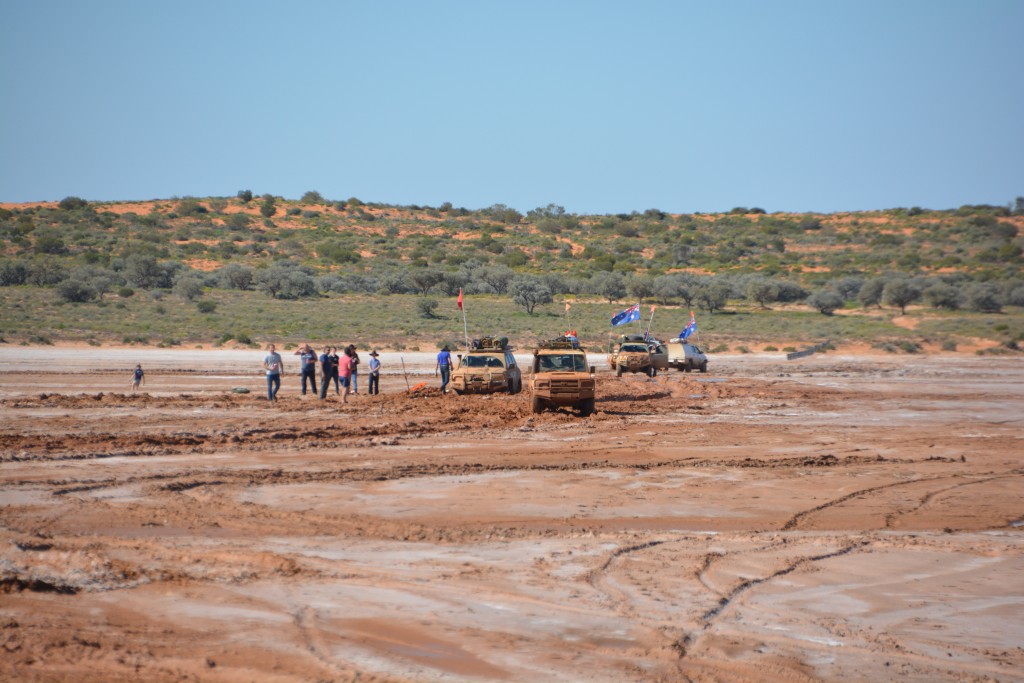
x=685, y=356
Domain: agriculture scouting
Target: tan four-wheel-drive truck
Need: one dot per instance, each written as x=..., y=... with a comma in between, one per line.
x=488, y=367
x=562, y=378
x=635, y=354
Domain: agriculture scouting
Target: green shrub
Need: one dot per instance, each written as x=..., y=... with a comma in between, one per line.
x=206, y=306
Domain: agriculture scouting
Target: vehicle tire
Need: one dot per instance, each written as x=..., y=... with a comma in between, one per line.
x=458, y=392
x=687, y=366
x=704, y=366
x=537, y=405
x=618, y=371
x=587, y=408
x=519, y=385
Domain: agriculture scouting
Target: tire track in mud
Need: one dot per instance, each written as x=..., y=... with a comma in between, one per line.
x=224, y=476
x=928, y=497
x=794, y=522
x=684, y=645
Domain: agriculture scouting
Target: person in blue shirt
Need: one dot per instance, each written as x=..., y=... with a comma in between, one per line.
x=444, y=366
x=374, y=373
x=307, y=356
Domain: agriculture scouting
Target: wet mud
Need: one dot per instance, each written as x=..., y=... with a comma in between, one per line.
x=837, y=518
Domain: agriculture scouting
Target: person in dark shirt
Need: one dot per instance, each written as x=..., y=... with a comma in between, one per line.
x=307, y=358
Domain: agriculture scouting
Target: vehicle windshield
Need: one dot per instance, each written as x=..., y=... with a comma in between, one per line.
x=569, y=362
x=482, y=362
x=633, y=348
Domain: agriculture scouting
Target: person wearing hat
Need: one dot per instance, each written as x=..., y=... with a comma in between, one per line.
x=374, y=373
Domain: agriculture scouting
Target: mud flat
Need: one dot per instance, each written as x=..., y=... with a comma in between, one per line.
x=835, y=518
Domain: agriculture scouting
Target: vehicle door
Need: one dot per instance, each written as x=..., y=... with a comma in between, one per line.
x=659, y=357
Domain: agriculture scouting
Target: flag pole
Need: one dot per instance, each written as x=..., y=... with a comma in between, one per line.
x=465, y=325
x=648, y=332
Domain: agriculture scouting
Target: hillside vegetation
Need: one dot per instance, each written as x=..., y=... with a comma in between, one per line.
x=209, y=270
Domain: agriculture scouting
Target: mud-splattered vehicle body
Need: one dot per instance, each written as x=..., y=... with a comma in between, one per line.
x=488, y=367
x=561, y=377
x=635, y=354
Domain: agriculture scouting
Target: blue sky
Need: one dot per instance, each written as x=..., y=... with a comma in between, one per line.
x=600, y=107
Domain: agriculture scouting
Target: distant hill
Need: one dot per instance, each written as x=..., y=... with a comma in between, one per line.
x=963, y=259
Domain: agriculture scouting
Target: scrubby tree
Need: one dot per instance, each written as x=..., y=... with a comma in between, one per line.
x=268, y=207
x=497, y=278
x=312, y=197
x=608, y=285
x=900, y=292
x=145, y=271
x=235, y=276
x=451, y=283
x=394, y=282
x=99, y=279
x=13, y=273
x=763, y=290
x=424, y=279
x=640, y=287
x=426, y=307
x=870, y=293
x=188, y=285
x=826, y=301
x=982, y=297
x=848, y=287
x=529, y=292
x=713, y=295
x=46, y=272
x=942, y=295
x=555, y=282
x=72, y=203
x=245, y=196
x=75, y=291
x=286, y=280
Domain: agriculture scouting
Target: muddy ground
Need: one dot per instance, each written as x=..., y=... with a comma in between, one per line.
x=835, y=518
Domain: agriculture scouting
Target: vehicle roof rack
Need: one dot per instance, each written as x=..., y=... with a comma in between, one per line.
x=559, y=343
x=490, y=344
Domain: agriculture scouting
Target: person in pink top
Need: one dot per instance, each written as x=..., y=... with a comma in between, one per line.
x=345, y=372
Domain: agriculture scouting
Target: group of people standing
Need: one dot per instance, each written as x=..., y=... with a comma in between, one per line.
x=342, y=369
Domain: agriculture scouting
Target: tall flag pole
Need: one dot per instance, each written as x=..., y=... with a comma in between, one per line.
x=647, y=334
x=465, y=325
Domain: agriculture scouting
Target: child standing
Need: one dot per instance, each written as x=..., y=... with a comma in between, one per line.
x=374, y=373
x=138, y=377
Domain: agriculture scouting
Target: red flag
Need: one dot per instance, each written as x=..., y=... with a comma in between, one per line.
x=460, y=298
x=652, y=309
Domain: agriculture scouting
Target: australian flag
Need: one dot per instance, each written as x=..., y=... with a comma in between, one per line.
x=690, y=328
x=629, y=315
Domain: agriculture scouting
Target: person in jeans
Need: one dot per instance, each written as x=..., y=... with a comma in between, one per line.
x=274, y=365
x=374, y=374
x=444, y=365
x=325, y=371
x=355, y=369
x=307, y=356
x=334, y=369
x=345, y=372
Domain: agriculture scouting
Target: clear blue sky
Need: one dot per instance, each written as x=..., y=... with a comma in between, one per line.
x=601, y=107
